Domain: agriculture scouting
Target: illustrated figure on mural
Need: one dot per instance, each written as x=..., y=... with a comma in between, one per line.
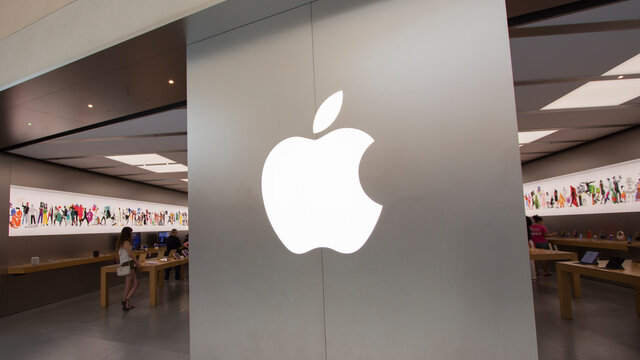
x=607, y=191
x=76, y=215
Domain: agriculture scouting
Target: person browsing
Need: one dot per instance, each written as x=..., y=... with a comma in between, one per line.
x=173, y=243
x=539, y=235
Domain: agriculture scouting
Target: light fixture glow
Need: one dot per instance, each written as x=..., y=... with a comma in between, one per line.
x=171, y=82
x=29, y=124
x=185, y=180
x=311, y=188
x=598, y=93
x=141, y=159
x=167, y=168
x=631, y=66
x=526, y=137
x=605, y=92
x=327, y=112
x=90, y=106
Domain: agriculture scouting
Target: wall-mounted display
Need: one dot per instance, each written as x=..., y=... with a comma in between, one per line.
x=608, y=189
x=49, y=212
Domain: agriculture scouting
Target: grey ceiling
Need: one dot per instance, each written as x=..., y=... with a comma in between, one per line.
x=548, y=66
x=128, y=86
x=163, y=133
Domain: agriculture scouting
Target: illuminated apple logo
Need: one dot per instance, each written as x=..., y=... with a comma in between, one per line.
x=311, y=188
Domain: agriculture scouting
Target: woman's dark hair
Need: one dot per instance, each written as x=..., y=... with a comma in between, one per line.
x=125, y=235
x=537, y=218
x=529, y=221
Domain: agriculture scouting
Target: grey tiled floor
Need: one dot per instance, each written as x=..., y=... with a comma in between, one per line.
x=604, y=325
x=79, y=328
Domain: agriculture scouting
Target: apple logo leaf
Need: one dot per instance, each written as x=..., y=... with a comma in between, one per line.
x=327, y=112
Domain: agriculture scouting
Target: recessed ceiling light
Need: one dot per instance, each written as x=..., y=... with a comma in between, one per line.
x=620, y=77
x=141, y=159
x=526, y=137
x=90, y=106
x=185, y=180
x=29, y=124
x=171, y=82
x=167, y=168
x=598, y=93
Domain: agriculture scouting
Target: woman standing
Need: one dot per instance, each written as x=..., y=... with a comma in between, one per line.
x=539, y=235
x=126, y=257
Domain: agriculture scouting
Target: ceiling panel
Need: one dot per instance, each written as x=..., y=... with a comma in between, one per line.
x=546, y=147
x=624, y=10
x=572, y=55
x=580, y=135
x=48, y=150
x=534, y=97
x=529, y=157
x=119, y=170
x=177, y=156
x=171, y=121
x=594, y=117
x=148, y=175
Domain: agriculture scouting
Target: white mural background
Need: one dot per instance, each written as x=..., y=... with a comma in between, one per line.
x=35, y=211
x=608, y=189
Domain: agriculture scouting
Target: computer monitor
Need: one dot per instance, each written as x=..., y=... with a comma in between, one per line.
x=135, y=241
x=162, y=237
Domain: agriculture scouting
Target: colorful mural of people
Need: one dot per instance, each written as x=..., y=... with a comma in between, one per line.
x=103, y=213
x=611, y=187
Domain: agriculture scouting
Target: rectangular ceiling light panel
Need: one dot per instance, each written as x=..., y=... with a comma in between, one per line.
x=168, y=168
x=598, y=93
x=603, y=93
x=141, y=159
x=526, y=137
x=631, y=66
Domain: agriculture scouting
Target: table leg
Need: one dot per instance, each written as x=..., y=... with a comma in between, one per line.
x=564, y=294
x=153, y=286
x=104, y=289
x=182, y=272
x=533, y=270
x=576, y=286
x=637, y=287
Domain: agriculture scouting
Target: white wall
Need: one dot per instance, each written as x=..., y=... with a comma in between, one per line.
x=82, y=28
x=445, y=273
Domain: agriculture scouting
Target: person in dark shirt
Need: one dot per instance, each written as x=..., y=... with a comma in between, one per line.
x=173, y=243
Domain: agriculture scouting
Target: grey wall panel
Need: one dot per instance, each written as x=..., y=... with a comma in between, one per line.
x=5, y=179
x=445, y=273
x=615, y=148
x=251, y=298
x=32, y=290
x=432, y=85
x=612, y=149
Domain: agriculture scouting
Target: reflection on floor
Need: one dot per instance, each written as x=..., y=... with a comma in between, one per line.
x=79, y=328
x=605, y=325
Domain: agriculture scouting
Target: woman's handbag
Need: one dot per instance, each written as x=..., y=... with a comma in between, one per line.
x=124, y=269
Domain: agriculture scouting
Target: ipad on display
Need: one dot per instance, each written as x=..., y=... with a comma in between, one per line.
x=590, y=257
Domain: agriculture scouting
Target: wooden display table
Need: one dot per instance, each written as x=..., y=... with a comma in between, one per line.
x=590, y=243
x=58, y=264
x=69, y=262
x=152, y=266
x=544, y=254
x=567, y=272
